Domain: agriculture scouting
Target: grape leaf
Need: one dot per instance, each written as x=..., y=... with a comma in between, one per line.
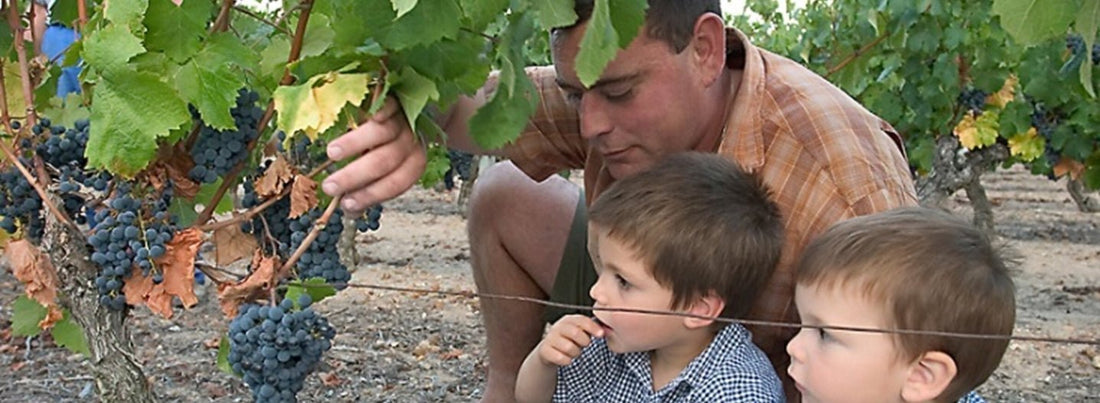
x=25, y=315
x=975, y=133
x=224, y=48
x=482, y=12
x=1088, y=19
x=555, y=13
x=223, y=356
x=69, y=334
x=107, y=50
x=429, y=21
x=403, y=6
x=1033, y=21
x=12, y=79
x=627, y=16
x=34, y=270
x=318, y=36
x=231, y=296
x=500, y=121
x=316, y=287
x=1027, y=146
x=437, y=166
x=313, y=108
x=414, y=91
x=212, y=89
x=598, y=45
x=176, y=30
x=303, y=196
x=184, y=211
x=130, y=115
x=66, y=112
x=231, y=244
x=125, y=13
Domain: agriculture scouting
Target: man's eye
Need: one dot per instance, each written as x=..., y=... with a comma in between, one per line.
x=573, y=97
x=617, y=94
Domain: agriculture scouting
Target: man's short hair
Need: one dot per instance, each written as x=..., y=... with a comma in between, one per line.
x=931, y=271
x=701, y=224
x=671, y=21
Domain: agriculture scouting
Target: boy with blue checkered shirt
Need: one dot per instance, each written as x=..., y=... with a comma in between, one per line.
x=697, y=235
x=908, y=269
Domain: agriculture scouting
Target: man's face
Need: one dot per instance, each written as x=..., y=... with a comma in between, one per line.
x=644, y=106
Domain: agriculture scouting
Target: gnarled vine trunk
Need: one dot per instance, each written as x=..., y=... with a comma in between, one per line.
x=955, y=168
x=118, y=375
x=1079, y=193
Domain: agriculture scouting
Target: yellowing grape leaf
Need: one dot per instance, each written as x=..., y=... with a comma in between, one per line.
x=231, y=245
x=178, y=269
x=1027, y=146
x=303, y=196
x=277, y=176
x=33, y=268
x=975, y=133
x=1006, y=94
x=262, y=278
x=314, y=106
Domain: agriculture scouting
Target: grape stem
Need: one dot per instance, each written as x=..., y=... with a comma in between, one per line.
x=231, y=178
x=222, y=23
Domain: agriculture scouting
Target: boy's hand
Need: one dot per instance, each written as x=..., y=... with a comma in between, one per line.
x=566, y=338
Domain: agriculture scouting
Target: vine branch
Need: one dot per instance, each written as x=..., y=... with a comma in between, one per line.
x=221, y=24
x=261, y=18
x=24, y=70
x=262, y=206
x=855, y=55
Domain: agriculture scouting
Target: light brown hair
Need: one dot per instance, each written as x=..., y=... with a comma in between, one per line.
x=932, y=272
x=701, y=224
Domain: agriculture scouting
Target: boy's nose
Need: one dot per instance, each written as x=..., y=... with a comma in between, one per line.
x=794, y=347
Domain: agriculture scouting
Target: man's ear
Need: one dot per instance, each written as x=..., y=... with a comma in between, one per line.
x=710, y=305
x=708, y=46
x=929, y=376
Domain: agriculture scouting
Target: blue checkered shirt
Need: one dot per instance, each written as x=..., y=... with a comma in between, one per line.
x=971, y=397
x=731, y=369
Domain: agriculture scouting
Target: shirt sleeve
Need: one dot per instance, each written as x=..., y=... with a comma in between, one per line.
x=551, y=141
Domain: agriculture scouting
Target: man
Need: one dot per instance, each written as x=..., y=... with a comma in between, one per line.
x=685, y=83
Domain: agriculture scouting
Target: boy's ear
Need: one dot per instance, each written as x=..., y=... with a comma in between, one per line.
x=929, y=376
x=708, y=305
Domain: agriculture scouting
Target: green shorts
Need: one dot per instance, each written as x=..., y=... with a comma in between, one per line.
x=576, y=273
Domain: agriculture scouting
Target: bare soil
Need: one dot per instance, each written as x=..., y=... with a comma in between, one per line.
x=413, y=347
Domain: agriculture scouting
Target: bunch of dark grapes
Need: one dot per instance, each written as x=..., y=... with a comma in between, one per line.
x=216, y=152
x=973, y=99
x=64, y=150
x=129, y=231
x=460, y=165
x=19, y=203
x=272, y=220
x=369, y=220
x=276, y=347
x=321, y=259
x=1045, y=123
x=304, y=153
x=1076, y=45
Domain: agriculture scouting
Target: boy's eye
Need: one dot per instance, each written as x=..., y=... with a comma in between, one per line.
x=822, y=334
x=622, y=282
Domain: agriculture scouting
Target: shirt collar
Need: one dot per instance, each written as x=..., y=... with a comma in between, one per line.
x=741, y=137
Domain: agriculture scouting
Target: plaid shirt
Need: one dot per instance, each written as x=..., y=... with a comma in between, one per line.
x=824, y=157
x=971, y=397
x=731, y=369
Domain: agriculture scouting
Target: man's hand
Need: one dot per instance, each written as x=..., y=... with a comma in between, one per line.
x=388, y=160
x=566, y=338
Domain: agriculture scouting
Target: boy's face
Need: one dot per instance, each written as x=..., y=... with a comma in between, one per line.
x=841, y=366
x=625, y=282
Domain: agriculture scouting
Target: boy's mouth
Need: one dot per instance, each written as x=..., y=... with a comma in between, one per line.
x=601, y=323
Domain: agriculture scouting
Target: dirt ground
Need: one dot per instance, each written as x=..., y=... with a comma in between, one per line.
x=402, y=347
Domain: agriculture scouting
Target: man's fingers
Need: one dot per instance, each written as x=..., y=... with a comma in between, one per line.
x=387, y=111
x=389, y=185
x=369, y=135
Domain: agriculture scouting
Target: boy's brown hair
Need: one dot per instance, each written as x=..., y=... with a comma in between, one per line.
x=932, y=272
x=701, y=224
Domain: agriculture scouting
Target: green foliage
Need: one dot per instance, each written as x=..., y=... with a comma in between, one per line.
x=25, y=315
x=316, y=288
x=67, y=333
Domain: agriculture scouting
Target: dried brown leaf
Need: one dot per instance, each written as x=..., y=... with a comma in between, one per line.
x=177, y=267
x=303, y=196
x=331, y=379
x=275, y=178
x=453, y=354
x=231, y=296
x=33, y=268
x=231, y=244
x=212, y=343
x=1068, y=166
